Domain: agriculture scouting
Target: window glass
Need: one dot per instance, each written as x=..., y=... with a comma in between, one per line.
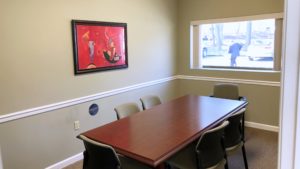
x=237, y=45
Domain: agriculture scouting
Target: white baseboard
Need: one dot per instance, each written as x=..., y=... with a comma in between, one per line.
x=66, y=162
x=262, y=126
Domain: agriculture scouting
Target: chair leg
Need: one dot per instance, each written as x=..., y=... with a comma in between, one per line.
x=243, y=128
x=226, y=165
x=245, y=157
x=226, y=160
x=167, y=166
x=225, y=154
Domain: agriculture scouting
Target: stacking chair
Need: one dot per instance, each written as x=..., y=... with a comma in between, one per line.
x=98, y=155
x=227, y=91
x=230, y=91
x=149, y=101
x=126, y=109
x=233, y=136
x=208, y=153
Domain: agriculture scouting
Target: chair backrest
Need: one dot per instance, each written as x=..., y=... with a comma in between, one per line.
x=97, y=155
x=150, y=101
x=233, y=132
x=226, y=91
x=126, y=109
x=210, y=147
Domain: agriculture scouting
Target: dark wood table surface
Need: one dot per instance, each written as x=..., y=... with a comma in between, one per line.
x=153, y=135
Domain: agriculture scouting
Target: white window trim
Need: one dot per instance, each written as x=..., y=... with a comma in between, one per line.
x=195, y=59
x=237, y=19
x=289, y=135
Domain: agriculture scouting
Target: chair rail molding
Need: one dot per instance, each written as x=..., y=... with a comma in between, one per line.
x=72, y=102
x=76, y=101
x=230, y=80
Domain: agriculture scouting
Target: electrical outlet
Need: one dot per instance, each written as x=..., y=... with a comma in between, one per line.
x=76, y=125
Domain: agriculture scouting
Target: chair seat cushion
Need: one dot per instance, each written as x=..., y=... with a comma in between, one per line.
x=233, y=149
x=186, y=159
x=220, y=165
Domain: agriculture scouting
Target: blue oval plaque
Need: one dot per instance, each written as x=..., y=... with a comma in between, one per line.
x=93, y=110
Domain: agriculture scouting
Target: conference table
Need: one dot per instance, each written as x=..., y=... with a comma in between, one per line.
x=152, y=136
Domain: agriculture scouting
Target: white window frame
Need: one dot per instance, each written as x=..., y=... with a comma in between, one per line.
x=195, y=51
x=289, y=136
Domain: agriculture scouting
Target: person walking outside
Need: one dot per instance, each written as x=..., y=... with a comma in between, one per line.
x=234, y=50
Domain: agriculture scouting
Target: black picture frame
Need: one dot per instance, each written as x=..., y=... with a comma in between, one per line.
x=99, y=46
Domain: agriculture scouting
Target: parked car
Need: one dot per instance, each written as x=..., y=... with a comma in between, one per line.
x=260, y=51
x=211, y=51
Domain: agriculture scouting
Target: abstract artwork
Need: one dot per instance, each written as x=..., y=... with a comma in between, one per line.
x=99, y=46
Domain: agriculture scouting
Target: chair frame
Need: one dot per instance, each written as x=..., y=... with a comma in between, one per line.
x=203, y=153
x=241, y=130
x=221, y=126
x=104, y=146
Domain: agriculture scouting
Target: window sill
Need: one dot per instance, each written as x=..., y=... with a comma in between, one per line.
x=238, y=70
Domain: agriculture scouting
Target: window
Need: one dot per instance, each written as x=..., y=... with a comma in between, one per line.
x=252, y=42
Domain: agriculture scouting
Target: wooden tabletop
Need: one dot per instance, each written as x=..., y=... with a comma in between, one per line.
x=153, y=135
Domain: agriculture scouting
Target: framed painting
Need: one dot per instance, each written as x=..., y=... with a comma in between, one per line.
x=99, y=46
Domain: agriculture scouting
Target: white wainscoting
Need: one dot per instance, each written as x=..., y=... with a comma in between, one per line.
x=66, y=162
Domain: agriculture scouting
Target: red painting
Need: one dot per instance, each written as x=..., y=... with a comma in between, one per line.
x=99, y=46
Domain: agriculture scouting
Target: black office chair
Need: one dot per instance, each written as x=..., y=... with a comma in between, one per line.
x=230, y=91
x=150, y=101
x=208, y=153
x=98, y=155
x=233, y=135
x=126, y=109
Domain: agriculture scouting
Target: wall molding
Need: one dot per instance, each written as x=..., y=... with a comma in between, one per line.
x=66, y=162
x=261, y=126
x=72, y=102
x=76, y=101
x=230, y=80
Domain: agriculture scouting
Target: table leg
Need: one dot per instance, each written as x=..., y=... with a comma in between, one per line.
x=160, y=166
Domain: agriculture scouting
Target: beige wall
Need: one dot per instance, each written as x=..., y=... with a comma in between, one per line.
x=263, y=100
x=37, y=56
x=37, y=69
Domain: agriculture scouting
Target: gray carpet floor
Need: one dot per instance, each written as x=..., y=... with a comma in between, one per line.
x=261, y=148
